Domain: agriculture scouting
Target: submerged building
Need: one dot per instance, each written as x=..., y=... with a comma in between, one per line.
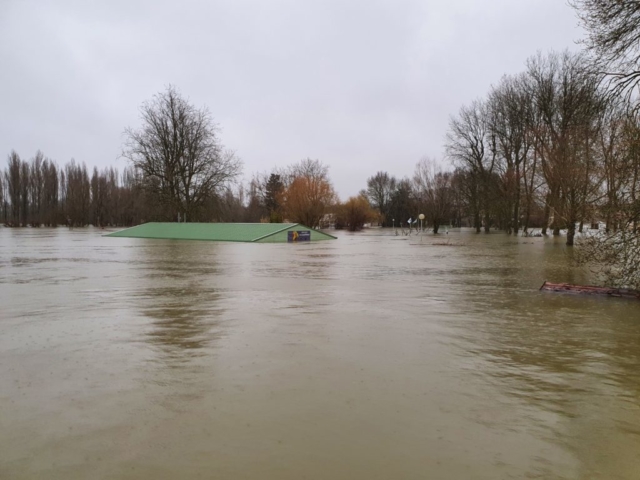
x=226, y=232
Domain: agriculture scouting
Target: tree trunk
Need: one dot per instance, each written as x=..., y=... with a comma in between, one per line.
x=516, y=206
x=547, y=213
x=571, y=232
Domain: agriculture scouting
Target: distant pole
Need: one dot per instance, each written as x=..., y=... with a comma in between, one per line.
x=421, y=217
x=393, y=220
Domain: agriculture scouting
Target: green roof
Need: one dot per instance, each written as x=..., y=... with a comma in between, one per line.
x=219, y=232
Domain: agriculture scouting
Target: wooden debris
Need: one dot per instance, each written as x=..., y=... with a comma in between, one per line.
x=589, y=290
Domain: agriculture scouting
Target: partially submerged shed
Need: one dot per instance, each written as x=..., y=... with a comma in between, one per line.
x=225, y=232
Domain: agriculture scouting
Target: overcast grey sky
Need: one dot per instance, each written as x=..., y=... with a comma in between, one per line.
x=363, y=85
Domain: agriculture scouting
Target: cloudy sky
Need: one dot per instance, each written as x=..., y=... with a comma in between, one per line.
x=363, y=85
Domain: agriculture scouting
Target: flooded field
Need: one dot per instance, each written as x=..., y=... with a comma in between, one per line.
x=368, y=357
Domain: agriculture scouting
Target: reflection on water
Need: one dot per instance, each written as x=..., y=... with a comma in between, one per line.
x=373, y=356
x=180, y=324
x=173, y=293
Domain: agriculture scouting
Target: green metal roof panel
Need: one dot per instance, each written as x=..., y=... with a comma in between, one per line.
x=220, y=232
x=282, y=235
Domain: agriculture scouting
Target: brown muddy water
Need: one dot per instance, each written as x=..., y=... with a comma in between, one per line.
x=368, y=357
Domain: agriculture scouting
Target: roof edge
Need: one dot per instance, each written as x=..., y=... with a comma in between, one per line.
x=323, y=233
x=291, y=225
x=288, y=226
x=125, y=229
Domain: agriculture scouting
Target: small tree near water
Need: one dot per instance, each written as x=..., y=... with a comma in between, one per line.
x=354, y=213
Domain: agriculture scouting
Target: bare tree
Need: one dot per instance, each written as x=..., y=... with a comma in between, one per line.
x=50, y=193
x=511, y=109
x=631, y=187
x=403, y=203
x=434, y=192
x=613, y=37
x=13, y=186
x=471, y=147
x=4, y=200
x=568, y=103
x=36, y=186
x=380, y=188
x=24, y=192
x=180, y=155
x=612, y=160
x=99, y=197
x=312, y=169
x=77, y=194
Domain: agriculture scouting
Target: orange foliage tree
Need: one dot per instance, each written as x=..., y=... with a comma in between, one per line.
x=307, y=198
x=354, y=213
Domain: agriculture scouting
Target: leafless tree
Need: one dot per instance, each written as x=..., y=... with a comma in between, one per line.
x=434, y=192
x=4, y=200
x=24, y=192
x=470, y=146
x=180, y=155
x=568, y=104
x=511, y=109
x=612, y=160
x=36, y=186
x=613, y=37
x=13, y=186
x=50, y=212
x=380, y=188
x=78, y=194
x=99, y=197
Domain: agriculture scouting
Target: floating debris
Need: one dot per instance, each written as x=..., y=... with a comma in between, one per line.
x=590, y=290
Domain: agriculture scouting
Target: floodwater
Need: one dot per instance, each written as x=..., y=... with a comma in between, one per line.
x=368, y=357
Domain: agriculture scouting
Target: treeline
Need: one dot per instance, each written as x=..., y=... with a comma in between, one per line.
x=551, y=139
x=39, y=192
x=556, y=146
x=431, y=191
x=550, y=148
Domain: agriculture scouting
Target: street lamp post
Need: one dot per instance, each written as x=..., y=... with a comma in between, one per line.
x=393, y=220
x=421, y=217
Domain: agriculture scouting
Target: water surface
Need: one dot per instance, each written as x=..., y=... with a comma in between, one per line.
x=368, y=357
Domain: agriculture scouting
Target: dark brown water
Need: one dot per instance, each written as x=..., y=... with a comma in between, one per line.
x=370, y=357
